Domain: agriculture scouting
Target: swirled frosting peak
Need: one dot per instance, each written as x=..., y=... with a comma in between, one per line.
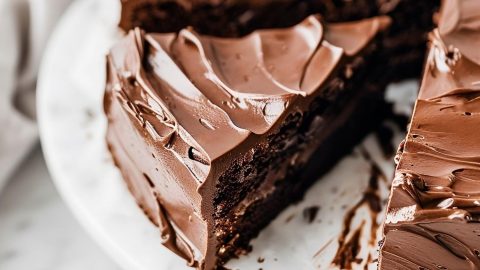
x=255, y=78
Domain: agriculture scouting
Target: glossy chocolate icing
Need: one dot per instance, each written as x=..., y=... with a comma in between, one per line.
x=433, y=217
x=182, y=107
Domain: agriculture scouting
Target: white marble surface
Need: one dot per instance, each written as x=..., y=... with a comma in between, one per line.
x=37, y=231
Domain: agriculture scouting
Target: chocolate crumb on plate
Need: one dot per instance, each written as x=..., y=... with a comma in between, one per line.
x=310, y=213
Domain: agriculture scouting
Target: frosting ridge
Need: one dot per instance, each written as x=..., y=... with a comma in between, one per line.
x=254, y=78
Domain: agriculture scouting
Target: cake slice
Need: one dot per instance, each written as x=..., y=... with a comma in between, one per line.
x=433, y=215
x=404, y=43
x=215, y=136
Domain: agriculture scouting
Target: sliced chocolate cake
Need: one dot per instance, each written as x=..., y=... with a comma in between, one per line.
x=404, y=43
x=433, y=216
x=215, y=136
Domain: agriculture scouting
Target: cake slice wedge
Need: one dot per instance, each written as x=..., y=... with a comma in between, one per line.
x=404, y=43
x=433, y=215
x=216, y=136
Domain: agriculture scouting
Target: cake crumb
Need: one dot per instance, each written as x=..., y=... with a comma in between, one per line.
x=260, y=259
x=310, y=213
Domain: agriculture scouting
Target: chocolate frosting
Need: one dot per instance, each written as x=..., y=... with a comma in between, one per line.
x=248, y=77
x=183, y=106
x=432, y=219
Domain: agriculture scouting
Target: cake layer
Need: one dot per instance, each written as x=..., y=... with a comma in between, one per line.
x=206, y=129
x=433, y=217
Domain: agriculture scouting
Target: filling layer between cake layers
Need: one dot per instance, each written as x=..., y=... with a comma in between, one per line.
x=215, y=136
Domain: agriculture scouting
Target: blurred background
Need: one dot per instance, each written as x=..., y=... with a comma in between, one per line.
x=37, y=231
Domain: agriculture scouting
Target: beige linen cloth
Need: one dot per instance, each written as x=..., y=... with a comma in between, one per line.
x=25, y=26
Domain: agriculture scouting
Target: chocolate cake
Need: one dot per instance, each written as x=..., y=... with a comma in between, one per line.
x=433, y=219
x=404, y=43
x=223, y=112
x=215, y=136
